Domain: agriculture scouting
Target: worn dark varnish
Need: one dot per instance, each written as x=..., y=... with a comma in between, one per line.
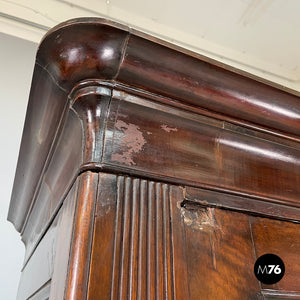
x=181, y=172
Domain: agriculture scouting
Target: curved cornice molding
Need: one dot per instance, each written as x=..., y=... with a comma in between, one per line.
x=82, y=49
x=96, y=49
x=88, y=48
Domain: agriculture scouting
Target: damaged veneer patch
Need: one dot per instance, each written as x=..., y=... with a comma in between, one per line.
x=132, y=142
x=200, y=219
x=203, y=219
x=168, y=128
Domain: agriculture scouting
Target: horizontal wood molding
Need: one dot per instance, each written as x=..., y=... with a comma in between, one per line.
x=113, y=131
x=161, y=142
x=111, y=51
x=252, y=205
x=146, y=138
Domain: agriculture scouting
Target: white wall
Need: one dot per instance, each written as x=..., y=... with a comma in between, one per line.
x=261, y=37
x=16, y=66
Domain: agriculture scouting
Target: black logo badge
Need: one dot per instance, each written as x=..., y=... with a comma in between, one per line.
x=269, y=268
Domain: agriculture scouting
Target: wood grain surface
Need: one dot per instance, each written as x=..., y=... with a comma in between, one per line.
x=133, y=251
x=96, y=49
x=150, y=243
x=78, y=269
x=186, y=172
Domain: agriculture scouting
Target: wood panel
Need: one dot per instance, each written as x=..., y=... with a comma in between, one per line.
x=283, y=239
x=222, y=247
x=220, y=254
x=150, y=243
x=89, y=51
x=133, y=251
x=159, y=142
x=178, y=138
x=64, y=242
x=36, y=141
x=127, y=134
x=102, y=257
x=80, y=141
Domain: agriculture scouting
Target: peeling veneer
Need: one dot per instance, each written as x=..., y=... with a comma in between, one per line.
x=203, y=219
x=167, y=128
x=132, y=142
x=107, y=53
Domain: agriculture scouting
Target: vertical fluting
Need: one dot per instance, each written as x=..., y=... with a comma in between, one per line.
x=142, y=241
x=143, y=258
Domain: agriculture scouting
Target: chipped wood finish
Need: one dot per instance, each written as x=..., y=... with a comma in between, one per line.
x=222, y=247
x=220, y=255
x=132, y=142
x=120, y=133
x=106, y=130
x=241, y=204
x=150, y=243
x=85, y=49
x=193, y=162
x=134, y=255
x=162, y=143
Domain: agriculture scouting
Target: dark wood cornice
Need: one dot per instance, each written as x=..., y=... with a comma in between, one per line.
x=95, y=49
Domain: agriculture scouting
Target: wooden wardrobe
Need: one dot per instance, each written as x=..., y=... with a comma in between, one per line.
x=149, y=172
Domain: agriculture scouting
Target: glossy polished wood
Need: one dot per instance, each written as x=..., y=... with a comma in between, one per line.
x=56, y=181
x=76, y=286
x=269, y=237
x=108, y=51
x=125, y=133
x=175, y=167
x=223, y=246
x=150, y=244
x=135, y=256
x=197, y=153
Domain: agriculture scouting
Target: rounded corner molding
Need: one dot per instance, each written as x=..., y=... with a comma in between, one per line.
x=87, y=52
x=81, y=49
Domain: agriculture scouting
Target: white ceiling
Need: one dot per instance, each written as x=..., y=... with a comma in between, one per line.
x=259, y=36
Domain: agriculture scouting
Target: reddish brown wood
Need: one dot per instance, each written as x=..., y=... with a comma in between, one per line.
x=282, y=239
x=173, y=138
x=181, y=280
x=64, y=244
x=212, y=252
x=241, y=204
x=90, y=122
x=101, y=271
x=197, y=153
x=220, y=254
x=109, y=52
x=76, y=285
x=138, y=241
x=40, y=128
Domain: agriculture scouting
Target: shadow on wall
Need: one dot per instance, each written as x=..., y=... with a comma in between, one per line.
x=17, y=61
